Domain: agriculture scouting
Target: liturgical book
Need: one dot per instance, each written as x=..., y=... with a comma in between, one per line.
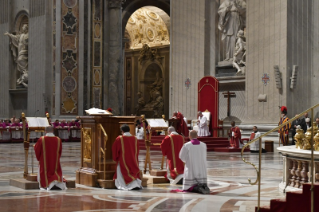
x=37, y=122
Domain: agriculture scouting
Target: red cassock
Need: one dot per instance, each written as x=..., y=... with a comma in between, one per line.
x=182, y=126
x=125, y=151
x=171, y=146
x=48, y=152
x=234, y=140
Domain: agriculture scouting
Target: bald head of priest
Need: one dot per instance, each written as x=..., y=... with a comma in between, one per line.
x=125, y=152
x=171, y=146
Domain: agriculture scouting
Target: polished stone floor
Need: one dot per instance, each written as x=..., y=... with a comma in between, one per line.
x=227, y=176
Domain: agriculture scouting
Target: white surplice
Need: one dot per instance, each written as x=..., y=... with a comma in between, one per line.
x=194, y=157
x=255, y=146
x=203, y=127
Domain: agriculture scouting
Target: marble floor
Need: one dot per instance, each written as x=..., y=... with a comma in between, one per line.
x=227, y=176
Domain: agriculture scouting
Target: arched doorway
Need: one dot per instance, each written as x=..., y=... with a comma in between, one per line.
x=146, y=61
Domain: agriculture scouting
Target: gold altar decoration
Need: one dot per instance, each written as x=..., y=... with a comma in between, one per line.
x=309, y=135
x=299, y=137
x=316, y=140
x=147, y=27
x=87, y=144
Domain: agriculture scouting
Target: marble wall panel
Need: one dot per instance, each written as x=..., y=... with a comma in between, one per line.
x=97, y=49
x=69, y=57
x=187, y=54
x=37, y=8
x=53, y=55
x=4, y=69
x=301, y=46
x=267, y=46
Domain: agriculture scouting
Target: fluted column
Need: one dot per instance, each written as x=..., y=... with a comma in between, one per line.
x=115, y=81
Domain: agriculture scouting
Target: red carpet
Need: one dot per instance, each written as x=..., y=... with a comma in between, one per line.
x=297, y=201
x=211, y=142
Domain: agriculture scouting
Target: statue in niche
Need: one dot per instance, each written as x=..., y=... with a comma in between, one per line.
x=231, y=20
x=157, y=105
x=156, y=86
x=140, y=103
x=19, y=48
x=239, y=60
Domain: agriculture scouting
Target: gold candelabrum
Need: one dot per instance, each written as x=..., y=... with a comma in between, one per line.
x=316, y=140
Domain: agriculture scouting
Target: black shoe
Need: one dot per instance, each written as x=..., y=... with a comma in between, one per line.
x=180, y=182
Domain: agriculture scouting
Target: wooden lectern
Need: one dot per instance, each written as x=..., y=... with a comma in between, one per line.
x=98, y=134
x=34, y=124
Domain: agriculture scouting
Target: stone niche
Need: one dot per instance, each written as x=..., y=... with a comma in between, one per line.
x=146, y=63
x=140, y=77
x=18, y=92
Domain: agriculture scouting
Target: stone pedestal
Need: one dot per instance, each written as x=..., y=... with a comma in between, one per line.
x=296, y=168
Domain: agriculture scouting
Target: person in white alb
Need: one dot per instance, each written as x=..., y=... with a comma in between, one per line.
x=202, y=125
x=193, y=154
x=254, y=147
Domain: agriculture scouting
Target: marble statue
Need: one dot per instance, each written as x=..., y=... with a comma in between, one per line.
x=231, y=20
x=239, y=60
x=156, y=86
x=19, y=48
x=140, y=103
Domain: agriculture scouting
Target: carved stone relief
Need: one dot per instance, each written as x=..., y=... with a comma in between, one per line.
x=87, y=145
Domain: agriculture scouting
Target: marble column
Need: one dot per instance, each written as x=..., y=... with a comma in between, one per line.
x=115, y=81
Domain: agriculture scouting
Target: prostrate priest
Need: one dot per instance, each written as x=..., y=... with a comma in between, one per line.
x=193, y=154
x=235, y=135
x=48, y=150
x=125, y=152
x=202, y=125
x=171, y=146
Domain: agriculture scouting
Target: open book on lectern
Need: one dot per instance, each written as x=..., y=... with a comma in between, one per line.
x=37, y=122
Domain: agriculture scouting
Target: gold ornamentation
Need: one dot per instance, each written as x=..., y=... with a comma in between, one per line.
x=150, y=34
x=152, y=15
x=147, y=54
x=299, y=137
x=69, y=105
x=146, y=27
x=307, y=140
x=87, y=143
x=316, y=141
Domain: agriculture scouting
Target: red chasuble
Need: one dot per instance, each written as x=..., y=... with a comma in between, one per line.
x=182, y=128
x=125, y=151
x=48, y=152
x=171, y=146
x=234, y=140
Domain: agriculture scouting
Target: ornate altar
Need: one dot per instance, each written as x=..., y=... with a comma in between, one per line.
x=99, y=131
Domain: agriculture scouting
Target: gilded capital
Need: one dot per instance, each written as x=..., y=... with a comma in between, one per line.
x=115, y=4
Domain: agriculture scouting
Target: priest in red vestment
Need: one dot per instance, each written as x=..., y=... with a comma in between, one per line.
x=235, y=135
x=181, y=127
x=171, y=146
x=125, y=152
x=48, y=151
